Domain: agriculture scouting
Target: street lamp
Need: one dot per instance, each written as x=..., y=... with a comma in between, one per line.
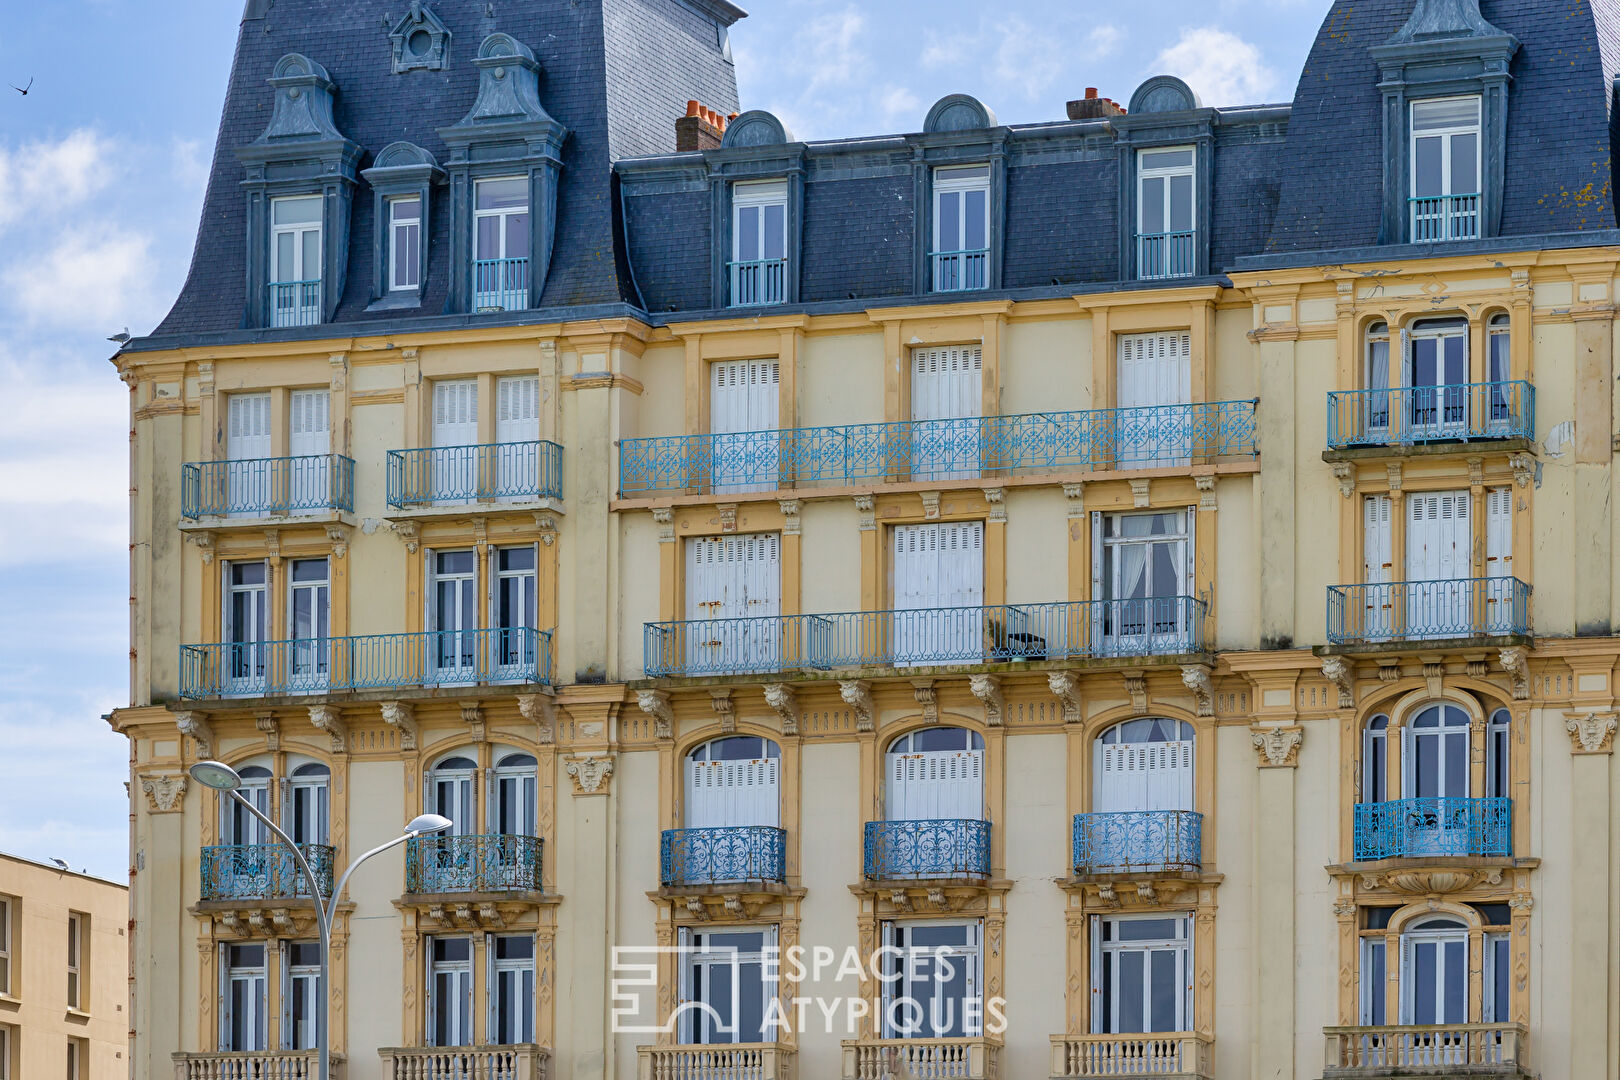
x=221, y=777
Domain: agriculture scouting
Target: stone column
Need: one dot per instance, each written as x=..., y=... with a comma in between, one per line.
x=1274, y=881
x=1276, y=332
x=1591, y=1028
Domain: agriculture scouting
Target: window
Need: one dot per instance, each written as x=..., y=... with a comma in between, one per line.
x=515, y=618
x=1437, y=375
x=248, y=489
x=501, y=245
x=939, y=615
x=1445, y=169
x=243, y=1020
x=455, y=473
x=936, y=774
x=7, y=906
x=743, y=410
x=5, y=1052
x=758, y=243
x=1437, y=754
x=295, y=261
x=449, y=1012
x=518, y=466
x=961, y=255
x=1375, y=761
x=1166, y=231
x=733, y=782
x=309, y=442
x=240, y=827
x=511, y=1005
x=1498, y=755
x=932, y=977
x=309, y=616
x=300, y=994
x=309, y=812
x=1504, y=400
x=1143, y=568
x=1434, y=972
x=1142, y=975
x=728, y=979
x=733, y=589
x=450, y=794
x=1497, y=1004
x=1145, y=764
x=78, y=1067
x=1375, y=378
x=247, y=615
x=947, y=398
x=453, y=615
x=78, y=927
x=515, y=810
x=1374, y=977
x=405, y=244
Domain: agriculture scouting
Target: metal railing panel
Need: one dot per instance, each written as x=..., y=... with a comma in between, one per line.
x=296, y=303
x=267, y=487
x=500, y=285
x=1138, y=841
x=916, y=850
x=1436, y=827
x=263, y=871
x=961, y=271
x=1438, y=218
x=1166, y=255
x=723, y=856
x=1412, y=415
x=457, y=475
x=758, y=283
x=497, y=862
x=1400, y=611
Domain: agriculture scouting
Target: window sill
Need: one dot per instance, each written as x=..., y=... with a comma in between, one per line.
x=402, y=301
x=78, y=1016
x=10, y=1002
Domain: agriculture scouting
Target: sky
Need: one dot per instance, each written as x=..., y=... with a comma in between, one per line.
x=102, y=168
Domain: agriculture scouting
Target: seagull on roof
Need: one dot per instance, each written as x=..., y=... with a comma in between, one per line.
x=62, y=864
x=23, y=90
x=122, y=337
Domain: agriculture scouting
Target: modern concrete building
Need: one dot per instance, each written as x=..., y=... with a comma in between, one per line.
x=64, y=973
x=1144, y=583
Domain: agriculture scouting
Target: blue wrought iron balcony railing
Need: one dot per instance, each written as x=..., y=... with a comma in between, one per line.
x=1162, y=436
x=1411, y=415
x=497, y=862
x=500, y=285
x=961, y=271
x=922, y=850
x=1422, y=828
x=1166, y=255
x=457, y=475
x=296, y=303
x=757, y=284
x=1401, y=611
x=263, y=872
x=725, y=856
x=1138, y=842
x=1436, y=218
x=379, y=662
x=927, y=637
x=262, y=487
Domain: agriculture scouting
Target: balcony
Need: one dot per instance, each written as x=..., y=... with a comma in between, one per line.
x=1430, y=416
x=498, y=862
x=254, y=1065
x=296, y=303
x=447, y=658
x=1145, y=841
x=1171, y=1056
x=731, y=856
x=500, y=285
x=760, y=283
x=1403, y=613
x=927, y=637
x=1160, y=256
x=267, y=487
x=865, y=455
x=456, y=476
x=961, y=271
x=922, y=1059
x=1457, y=1050
x=463, y=1063
x=1434, y=828
x=1438, y=218
x=263, y=872
x=927, y=850
x=738, y=1061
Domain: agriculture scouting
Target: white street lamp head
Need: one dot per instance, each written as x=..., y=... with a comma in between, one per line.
x=216, y=775
x=428, y=823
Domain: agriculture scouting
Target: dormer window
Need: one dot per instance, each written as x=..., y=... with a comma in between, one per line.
x=759, y=244
x=295, y=256
x=1446, y=169
x=1166, y=230
x=404, y=244
x=961, y=256
x=501, y=245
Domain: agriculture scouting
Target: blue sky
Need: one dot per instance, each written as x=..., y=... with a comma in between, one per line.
x=102, y=169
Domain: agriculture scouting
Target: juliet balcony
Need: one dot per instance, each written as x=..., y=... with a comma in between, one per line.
x=927, y=637
x=923, y=1059
x=267, y=487
x=961, y=271
x=1416, y=419
x=521, y=1062
x=458, y=476
x=1438, y=218
x=317, y=666
x=1433, y=828
x=1160, y=256
x=1405, y=613
x=296, y=303
x=864, y=455
x=1464, y=1051
x=943, y=850
x=1139, y=842
x=495, y=863
x=500, y=285
x=760, y=283
x=263, y=872
x=1162, y=1056
x=741, y=855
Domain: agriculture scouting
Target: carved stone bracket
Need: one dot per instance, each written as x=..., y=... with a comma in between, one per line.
x=339, y=534
x=930, y=502
x=196, y=725
x=923, y=691
x=164, y=793
x=1516, y=662
x=1075, y=493
x=541, y=711
x=1434, y=674
x=1337, y=670
x=728, y=517
x=1142, y=493
x=1206, y=492
x=792, y=523
x=1345, y=473
x=664, y=517
x=866, y=509
x=401, y=715
x=656, y=704
x=1524, y=468
x=857, y=694
x=1196, y=677
x=725, y=709
x=410, y=533
x=1136, y=686
x=987, y=688
x=1591, y=733
x=996, y=498
x=1278, y=747
x=204, y=541
x=329, y=718
x=1396, y=477
x=781, y=698
x=270, y=727
x=546, y=525
x=591, y=774
x=1065, y=686
x=472, y=714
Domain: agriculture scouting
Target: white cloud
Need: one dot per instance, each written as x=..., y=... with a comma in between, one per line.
x=96, y=274
x=1221, y=67
x=45, y=179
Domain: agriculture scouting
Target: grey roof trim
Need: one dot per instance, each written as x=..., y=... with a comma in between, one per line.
x=1384, y=253
x=723, y=10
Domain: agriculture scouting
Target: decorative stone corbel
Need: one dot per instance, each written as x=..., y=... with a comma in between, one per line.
x=937, y=898
x=1393, y=472
x=1516, y=662
x=1136, y=686
x=272, y=545
x=1106, y=893
x=657, y=704
x=923, y=691
x=996, y=498
x=664, y=517
x=591, y=774
x=472, y=714
x=1389, y=670
x=930, y=502
x=1278, y=746
x=899, y=900
x=1524, y=468
x=792, y=523
x=1476, y=471
x=196, y=725
x=1591, y=733
x=339, y=535
x=728, y=517
x=1336, y=669
x=697, y=909
x=1206, y=492
x=541, y=711
x=987, y=688
x=1146, y=893
x=401, y=715
x=857, y=694
x=204, y=542
x=1065, y=686
x=1142, y=493
x=328, y=718
x=270, y=728
x=725, y=709
x=411, y=533
x=734, y=906
x=1196, y=677
x=866, y=509
x=1345, y=473
x=546, y=525
x=781, y=698
x=164, y=793
x=1075, y=493
x=1434, y=674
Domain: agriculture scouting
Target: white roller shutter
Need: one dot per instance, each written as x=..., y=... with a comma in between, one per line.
x=941, y=785
x=744, y=409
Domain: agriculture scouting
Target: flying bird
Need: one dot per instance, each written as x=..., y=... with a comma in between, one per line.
x=23, y=90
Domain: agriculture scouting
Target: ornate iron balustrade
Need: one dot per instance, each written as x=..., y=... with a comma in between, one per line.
x=1178, y=1054
x=917, y=850
x=1410, y=415
x=1388, y=1051
x=1398, y=611
x=253, y=1065
x=456, y=475
x=926, y=637
x=922, y=1059
x=498, y=862
x=500, y=285
x=524, y=1062
x=734, y=1061
x=1445, y=217
x=1160, y=436
x=260, y=487
x=263, y=872
x=726, y=856
x=501, y=656
x=1166, y=255
x=1418, y=828
x=1138, y=841
x=961, y=271
x=296, y=303
x=759, y=283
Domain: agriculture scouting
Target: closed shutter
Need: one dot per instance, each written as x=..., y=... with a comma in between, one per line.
x=947, y=383
x=1377, y=566
x=455, y=413
x=1155, y=369
x=1499, y=612
x=517, y=409
x=941, y=785
x=249, y=427
x=310, y=441
x=1438, y=537
x=743, y=419
x=722, y=794
x=938, y=593
x=731, y=578
x=1144, y=776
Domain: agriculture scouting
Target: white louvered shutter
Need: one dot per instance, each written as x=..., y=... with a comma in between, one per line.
x=1155, y=369
x=1439, y=537
x=250, y=489
x=1377, y=564
x=249, y=426
x=722, y=794
x=728, y=578
x=310, y=441
x=455, y=423
x=938, y=576
x=1144, y=776
x=743, y=418
x=946, y=385
x=1499, y=614
x=517, y=430
x=940, y=785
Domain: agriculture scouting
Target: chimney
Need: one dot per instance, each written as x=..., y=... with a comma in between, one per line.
x=700, y=129
x=1092, y=107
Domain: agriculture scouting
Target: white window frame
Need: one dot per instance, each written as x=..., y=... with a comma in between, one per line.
x=697, y=1026
x=734, y=781
x=7, y=906
x=753, y=279
x=959, y=181
x=1499, y=755
x=299, y=981
x=311, y=653
x=1496, y=942
x=249, y=651
x=1373, y=990
x=1114, y=634
x=1413, y=936
x=257, y=782
x=1181, y=946
x=1375, y=760
x=1168, y=173
x=501, y=212
x=315, y=789
x=506, y=977
x=1476, y=129
x=256, y=1027
x=404, y=229
x=523, y=778
x=464, y=662
x=514, y=652
x=461, y=824
x=78, y=927
x=1442, y=735
x=505, y=290
x=902, y=977
x=76, y=1050
x=5, y=1052
x=297, y=230
x=435, y=1000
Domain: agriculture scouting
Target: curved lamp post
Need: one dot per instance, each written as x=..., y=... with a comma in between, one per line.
x=222, y=778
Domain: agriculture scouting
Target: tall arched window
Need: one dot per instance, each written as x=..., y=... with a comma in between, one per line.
x=936, y=774
x=1146, y=764
x=1498, y=755
x=732, y=782
x=1375, y=415
x=450, y=788
x=513, y=804
x=1436, y=754
x=240, y=827
x=1437, y=377
x=308, y=811
x=1375, y=760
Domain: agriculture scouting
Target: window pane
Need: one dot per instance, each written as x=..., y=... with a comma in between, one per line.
x=1131, y=989
x=1427, y=179
x=1153, y=205
x=1181, y=204
x=309, y=570
x=455, y=562
x=967, y=172
x=311, y=267
x=1501, y=980
x=407, y=209
x=1373, y=978
x=1166, y=991
x=297, y=211
x=1450, y=113
x=1501, y=356
x=503, y=194
x=1167, y=159
x=517, y=236
x=489, y=238
x=1146, y=929
x=1424, y=982
x=1427, y=767
x=974, y=220
x=518, y=558
x=934, y=937
x=748, y=233
x=1465, y=164
x=775, y=232
x=1456, y=987
x=950, y=221
x=1457, y=765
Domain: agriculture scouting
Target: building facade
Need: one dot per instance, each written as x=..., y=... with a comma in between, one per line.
x=1143, y=585
x=64, y=973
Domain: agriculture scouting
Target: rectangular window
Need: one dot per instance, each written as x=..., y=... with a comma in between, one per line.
x=734, y=590
x=405, y=244
x=758, y=243
x=1446, y=168
x=449, y=1014
x=309, y=623
x=516, y=640
x=932, y=977
x=501, y=245
x=295, y=261
x=1498, y=1000
x=249, y=482
x=77, y=946
x=300, y=994
x=77, y=1067
x=454, y=476
x=729, y=978
x=1374, y=979
x=1143, y=569
x=961, y=255
x=511, y=1004
x=453, y=615
x=309, y=485
x=939, y=613
x=247, y=615
x=520, y=472
x=310, y=809
x=7, y=905
x=1154, y=370
x=1166, y=230
x=243, y=1021
x=1141, y=975
x=5, y=1052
